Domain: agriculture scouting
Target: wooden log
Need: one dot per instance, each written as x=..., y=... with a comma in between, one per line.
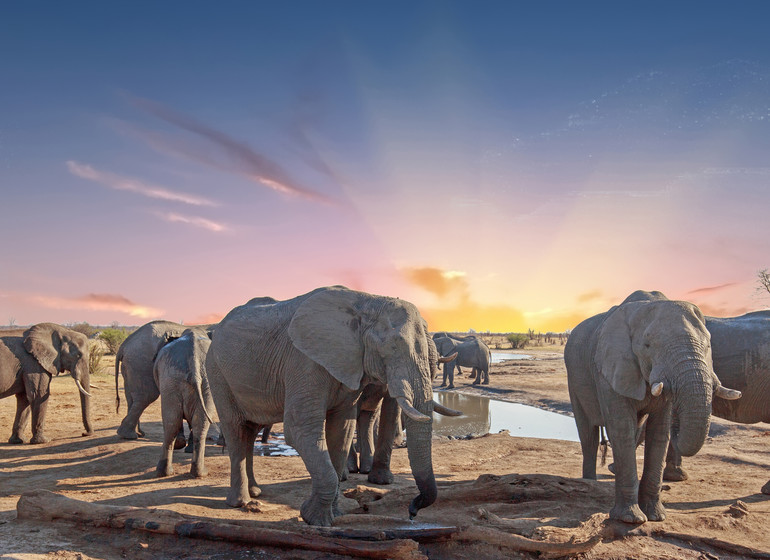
x=517, y=542
x=47, y=506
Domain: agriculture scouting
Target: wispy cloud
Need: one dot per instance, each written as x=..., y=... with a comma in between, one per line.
x=196, y=221
x=589, y=296
x=122, y=183
x=240, y=158
x=711, y=289
x=438, y=282
x=98, y=302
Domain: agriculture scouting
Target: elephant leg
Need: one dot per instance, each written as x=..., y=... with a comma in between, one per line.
x=451, y=367
x=674, y=471
x=21, y=421
x=181, y=441
x=486, y=376
x=171, y=414
x=588, y=434
x=304, y=426
x=655, y=445
x=340, y=427
x=199, y=429
x=389, y=426
x=129, y=427
x=266, y=433
x=366, y=438
x=352, y=465
x=251, y=481
x=37, y=386
x=622, y=433
x=240, y=438
x=445, y=372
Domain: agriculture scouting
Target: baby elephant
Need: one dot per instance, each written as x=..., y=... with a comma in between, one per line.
x=180, y=373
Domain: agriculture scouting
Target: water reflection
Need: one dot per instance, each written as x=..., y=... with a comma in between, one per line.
x=483, y=415
x=497, y=357
x=276, y=446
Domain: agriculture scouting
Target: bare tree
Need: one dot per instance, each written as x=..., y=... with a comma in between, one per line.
x=763, y=278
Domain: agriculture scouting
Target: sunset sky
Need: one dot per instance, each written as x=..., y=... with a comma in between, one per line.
x=503, y=165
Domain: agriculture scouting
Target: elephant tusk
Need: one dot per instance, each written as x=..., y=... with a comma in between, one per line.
x=80, y=387
x=727, y=394
x=447, y=359
x=412, y=412
x=92, y=386
x=656, y=389
x=444, y=410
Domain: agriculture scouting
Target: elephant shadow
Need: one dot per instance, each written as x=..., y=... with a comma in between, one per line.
x=757, y=498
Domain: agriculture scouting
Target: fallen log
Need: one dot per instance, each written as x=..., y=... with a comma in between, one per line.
x=517, y=542
x=47, y=506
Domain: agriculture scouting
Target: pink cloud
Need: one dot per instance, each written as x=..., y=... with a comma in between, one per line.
x=98, y=302
x=131, y=184
x=195, y=221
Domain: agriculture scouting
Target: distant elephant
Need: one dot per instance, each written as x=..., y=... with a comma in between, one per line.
x=379, y=418
x=180, y=374
x=472, y=352
x=137, y=354
x=305, y=361
x=441, y=334
x=640, y=359
x=27, y=364
x=740, y=347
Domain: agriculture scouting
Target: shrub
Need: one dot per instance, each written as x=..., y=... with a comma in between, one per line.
x=113, y=339
x=84, y=328
x=95, y=355
x=518, y=340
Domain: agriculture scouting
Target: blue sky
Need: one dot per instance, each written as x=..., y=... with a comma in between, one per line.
x=503, y=165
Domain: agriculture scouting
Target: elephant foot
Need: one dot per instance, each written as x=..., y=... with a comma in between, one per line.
x=674, y=474
x=198, y=472
x=380, y=476
x=352, y=465
x=654, y=510
x=485, y=382
x=255, y=491
x=87, y=433
x=39, y=438
x=314, y=512
x=366, y=467
x=180, y=443
x=476, y=382
x=628, y=514
x=15, y=439
x=127, y=434
x=442, y=385
x=451, y=386
x=164, y=469
x=766, y=488
x=235, y=499
x=344, y=475
x=139, y=433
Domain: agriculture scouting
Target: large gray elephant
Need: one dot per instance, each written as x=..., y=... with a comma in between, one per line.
x=180, y=375
x=305, y=361
x=471, y=352
x=643, y=358
x=137, y=355
x=27, y=364
x=740, y=348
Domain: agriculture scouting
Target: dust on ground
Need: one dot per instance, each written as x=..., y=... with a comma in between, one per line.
x=534, y=485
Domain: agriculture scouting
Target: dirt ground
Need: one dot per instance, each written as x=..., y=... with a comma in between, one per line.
x=533, y=485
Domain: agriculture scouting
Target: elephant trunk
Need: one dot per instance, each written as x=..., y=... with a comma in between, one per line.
x=692, y=405
x=82, y=378
x=419, y=435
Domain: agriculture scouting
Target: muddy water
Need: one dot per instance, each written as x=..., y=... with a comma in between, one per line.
x=483, y=415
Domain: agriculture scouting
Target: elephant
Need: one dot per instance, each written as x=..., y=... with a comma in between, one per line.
x=740, y=348
x=27, y=364
x=180, y=375
x=644, y=358
x=137, y=354
x=305, y=361
x=472, y=352
x=379, y=418
x=440, y=334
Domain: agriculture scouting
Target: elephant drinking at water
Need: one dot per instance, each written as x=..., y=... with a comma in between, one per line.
x=27, y=364
x=305, y=361
x=640, y=359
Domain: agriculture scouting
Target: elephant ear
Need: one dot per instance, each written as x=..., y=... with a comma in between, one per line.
x=615, y=356
x=44, y=343
x=327, y=329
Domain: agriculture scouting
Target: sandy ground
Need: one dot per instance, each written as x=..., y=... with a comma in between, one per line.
x=533, y=484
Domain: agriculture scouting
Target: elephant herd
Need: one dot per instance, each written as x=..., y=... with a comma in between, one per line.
x=330, y=362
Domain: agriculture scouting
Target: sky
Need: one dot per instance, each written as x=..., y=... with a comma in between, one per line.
x=503, y=165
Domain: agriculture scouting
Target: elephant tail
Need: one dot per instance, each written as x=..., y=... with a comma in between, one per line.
x=118, y=358
x=604, y=445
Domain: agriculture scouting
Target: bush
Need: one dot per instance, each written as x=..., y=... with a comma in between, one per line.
x=95, y=355
x=84, y=328
x=113, y=338
x=518, y=340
